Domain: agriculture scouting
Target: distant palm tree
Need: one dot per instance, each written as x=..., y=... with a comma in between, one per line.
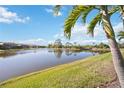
x=103, y=18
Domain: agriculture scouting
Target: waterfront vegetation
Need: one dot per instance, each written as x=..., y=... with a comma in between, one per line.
x=104, y=70
x=95, y=71
x=89, y=72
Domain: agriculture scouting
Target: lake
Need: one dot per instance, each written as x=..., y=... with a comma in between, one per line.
x=27, y=61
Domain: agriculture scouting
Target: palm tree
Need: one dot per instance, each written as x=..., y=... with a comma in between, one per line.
x=121, y=35
x=103, y=18
x=122, y=13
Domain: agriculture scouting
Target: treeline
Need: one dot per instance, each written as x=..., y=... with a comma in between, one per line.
x=9, y=45
x=58, y=44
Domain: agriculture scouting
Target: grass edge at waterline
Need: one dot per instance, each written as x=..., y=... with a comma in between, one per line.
x=88, y=72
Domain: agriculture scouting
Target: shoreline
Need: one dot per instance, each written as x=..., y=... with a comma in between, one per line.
x=62, y=67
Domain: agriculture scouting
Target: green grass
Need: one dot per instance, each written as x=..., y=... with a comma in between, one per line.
x=89, y=72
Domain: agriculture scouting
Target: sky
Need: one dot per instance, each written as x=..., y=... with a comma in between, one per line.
x=38, y=25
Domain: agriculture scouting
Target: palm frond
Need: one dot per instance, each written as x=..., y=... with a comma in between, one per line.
x=120, y=35
x=72, y=18
x=93, y=23
x=121, y=8
x=113, y=10
x=85, y=14
x=56, y=9
x=122, y=13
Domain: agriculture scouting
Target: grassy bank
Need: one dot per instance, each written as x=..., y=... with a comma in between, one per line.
x=10, y=52
x=94, y=71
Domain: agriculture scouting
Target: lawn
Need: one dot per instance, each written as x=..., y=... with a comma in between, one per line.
x=95, y=71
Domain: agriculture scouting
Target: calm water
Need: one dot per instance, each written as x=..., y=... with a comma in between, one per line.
x=27, y=61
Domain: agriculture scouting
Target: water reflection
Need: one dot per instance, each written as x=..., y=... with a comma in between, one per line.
x=75, y=54
x=8, y=53
x=27, y=61
x=68, y=52
x=58, y=52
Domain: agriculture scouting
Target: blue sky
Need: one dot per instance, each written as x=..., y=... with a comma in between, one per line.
x=38, y=25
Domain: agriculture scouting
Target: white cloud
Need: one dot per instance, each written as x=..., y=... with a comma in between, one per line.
x=118, y=27
x=48, y=10
x=91, y=41
x=79, y=35
x=7, y=16
x=38, y=41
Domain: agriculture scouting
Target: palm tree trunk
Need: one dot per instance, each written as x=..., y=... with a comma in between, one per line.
x=118, y=60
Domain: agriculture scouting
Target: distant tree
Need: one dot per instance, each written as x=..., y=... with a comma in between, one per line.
x=57, y=43
x=102, y=45
x=50, y=45
x=75, y=44
x=68, y=45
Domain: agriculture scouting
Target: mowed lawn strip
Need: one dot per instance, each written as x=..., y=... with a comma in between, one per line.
x=90, y=72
